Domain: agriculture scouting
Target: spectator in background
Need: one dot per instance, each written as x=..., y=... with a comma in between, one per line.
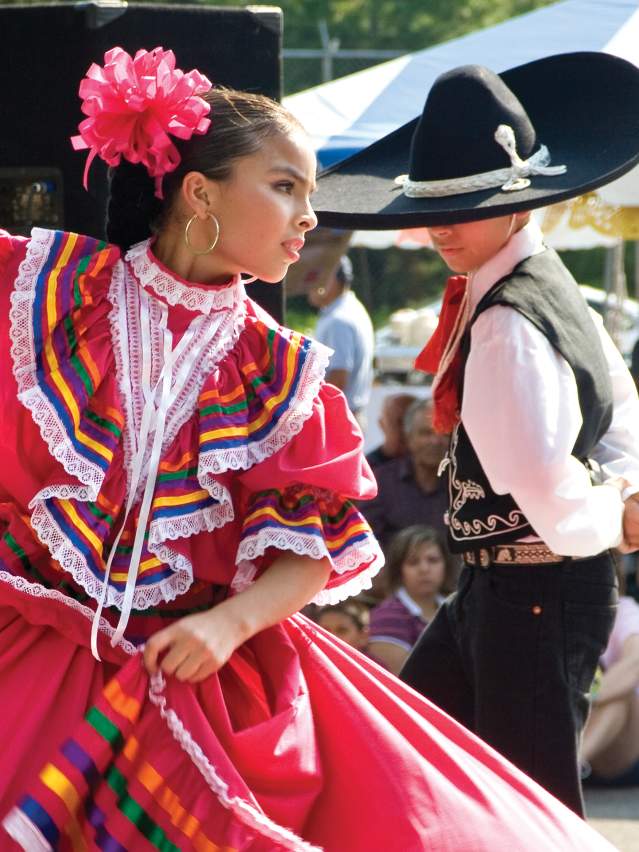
x=345, y=326
x=419, y=572
x=610, y=745
x=410, y=492
x=348, y=620
x=391, y=423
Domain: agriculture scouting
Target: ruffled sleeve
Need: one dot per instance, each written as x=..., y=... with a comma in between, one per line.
x=300, y=499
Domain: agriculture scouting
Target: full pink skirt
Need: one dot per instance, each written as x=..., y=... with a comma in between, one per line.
x=299, y=743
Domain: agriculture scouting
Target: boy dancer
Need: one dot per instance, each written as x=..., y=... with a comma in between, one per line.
x=543, y=458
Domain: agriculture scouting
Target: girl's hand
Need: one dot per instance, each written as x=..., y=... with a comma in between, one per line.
x=196, y=646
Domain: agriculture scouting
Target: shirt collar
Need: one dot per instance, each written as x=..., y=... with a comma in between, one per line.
x=523, y=244
x=412, y=606
x=199, y=298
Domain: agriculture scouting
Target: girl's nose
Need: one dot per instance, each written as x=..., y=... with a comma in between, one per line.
x=308, y=220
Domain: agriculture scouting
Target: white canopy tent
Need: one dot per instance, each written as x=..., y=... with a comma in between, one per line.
x=347, y=114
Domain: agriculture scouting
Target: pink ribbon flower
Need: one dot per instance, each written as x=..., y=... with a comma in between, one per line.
x=134, y=105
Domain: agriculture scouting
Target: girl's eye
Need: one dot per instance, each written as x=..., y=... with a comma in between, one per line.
x=287, y=186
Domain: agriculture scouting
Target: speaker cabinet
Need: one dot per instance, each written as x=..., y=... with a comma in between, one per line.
x=46, y=50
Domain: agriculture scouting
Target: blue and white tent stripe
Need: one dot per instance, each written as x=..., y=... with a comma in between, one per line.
x=347, y=114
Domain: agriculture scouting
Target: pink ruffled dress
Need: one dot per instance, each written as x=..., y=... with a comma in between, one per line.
x=179, y=429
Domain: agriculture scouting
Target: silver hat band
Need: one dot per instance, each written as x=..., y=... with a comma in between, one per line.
x=512, y=179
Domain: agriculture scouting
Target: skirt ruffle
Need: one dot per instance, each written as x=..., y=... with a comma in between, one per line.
x=299, y=743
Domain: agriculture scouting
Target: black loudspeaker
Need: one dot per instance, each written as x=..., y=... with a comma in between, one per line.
x=46, y=50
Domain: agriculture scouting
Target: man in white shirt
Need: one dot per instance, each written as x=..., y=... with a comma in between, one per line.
x=345, y=327
x=543, y=414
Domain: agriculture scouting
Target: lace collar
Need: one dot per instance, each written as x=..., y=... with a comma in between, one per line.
x=176, y=291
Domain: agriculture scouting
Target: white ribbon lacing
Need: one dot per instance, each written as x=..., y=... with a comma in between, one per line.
x=512, y=179
x=158, y=398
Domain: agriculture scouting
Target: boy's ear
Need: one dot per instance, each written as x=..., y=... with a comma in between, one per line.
x=522, y=218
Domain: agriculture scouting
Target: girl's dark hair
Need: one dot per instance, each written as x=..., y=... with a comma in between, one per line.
x=240, y=122
x=407, y=540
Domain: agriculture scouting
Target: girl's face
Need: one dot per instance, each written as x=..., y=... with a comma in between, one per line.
x=424, y=570
x=264, y=208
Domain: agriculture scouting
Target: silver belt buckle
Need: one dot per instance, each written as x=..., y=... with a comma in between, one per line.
x=484, y=558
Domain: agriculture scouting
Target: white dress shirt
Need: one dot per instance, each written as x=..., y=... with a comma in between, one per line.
x=521, y=412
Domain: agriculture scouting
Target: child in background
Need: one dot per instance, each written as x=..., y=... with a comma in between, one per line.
x=348, y=620
x=419, y=571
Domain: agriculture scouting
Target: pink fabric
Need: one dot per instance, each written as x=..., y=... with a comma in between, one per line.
x=336, y=749
x=321, y=456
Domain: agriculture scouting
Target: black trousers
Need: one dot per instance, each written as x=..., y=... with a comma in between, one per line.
x=512, y=654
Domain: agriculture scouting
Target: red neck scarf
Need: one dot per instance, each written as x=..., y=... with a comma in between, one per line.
x=441, y=356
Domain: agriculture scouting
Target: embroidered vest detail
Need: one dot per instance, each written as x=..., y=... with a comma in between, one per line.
x=542, y=290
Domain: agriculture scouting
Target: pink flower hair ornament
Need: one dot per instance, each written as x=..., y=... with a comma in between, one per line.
x=134, y=105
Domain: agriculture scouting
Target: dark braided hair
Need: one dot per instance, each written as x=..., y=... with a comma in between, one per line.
x=240, y=122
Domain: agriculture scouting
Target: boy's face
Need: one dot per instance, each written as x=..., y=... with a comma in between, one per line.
x=465, y=247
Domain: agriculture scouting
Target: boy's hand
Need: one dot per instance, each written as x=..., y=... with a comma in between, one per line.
x=630, y=524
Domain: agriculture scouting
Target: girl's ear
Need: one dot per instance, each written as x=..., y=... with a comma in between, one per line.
x=198, y=194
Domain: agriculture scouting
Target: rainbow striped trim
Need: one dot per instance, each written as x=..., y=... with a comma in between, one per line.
x=270, y=402
x=132, y=776
x=316, y=523
x=102, y=790
x=60, y=292
x=61, y=313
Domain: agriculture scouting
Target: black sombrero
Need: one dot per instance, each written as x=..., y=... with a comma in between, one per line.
x=488, y=145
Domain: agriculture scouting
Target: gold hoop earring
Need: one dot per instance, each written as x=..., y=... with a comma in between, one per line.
x=212, y=245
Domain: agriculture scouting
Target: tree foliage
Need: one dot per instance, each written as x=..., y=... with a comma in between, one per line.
x=403, y=25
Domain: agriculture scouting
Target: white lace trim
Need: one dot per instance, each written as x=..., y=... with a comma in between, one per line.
x=73, y=560
x=125, y=319
x=192, y=297
x=302, y=544
x=290, y=424
x=19, y=827
x=36, y=590
x=246, y=813
x=244, y=576
x=359, y=583
x=184, y=526
x=24, y=366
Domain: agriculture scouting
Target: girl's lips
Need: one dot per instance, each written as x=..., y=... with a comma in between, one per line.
x=292, y=254
x=293, y=248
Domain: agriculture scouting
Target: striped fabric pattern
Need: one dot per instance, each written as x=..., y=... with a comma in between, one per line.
x=306, y=513
x=65, y=367
x=104, y=789
x=269, y=386
x=245, y=412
